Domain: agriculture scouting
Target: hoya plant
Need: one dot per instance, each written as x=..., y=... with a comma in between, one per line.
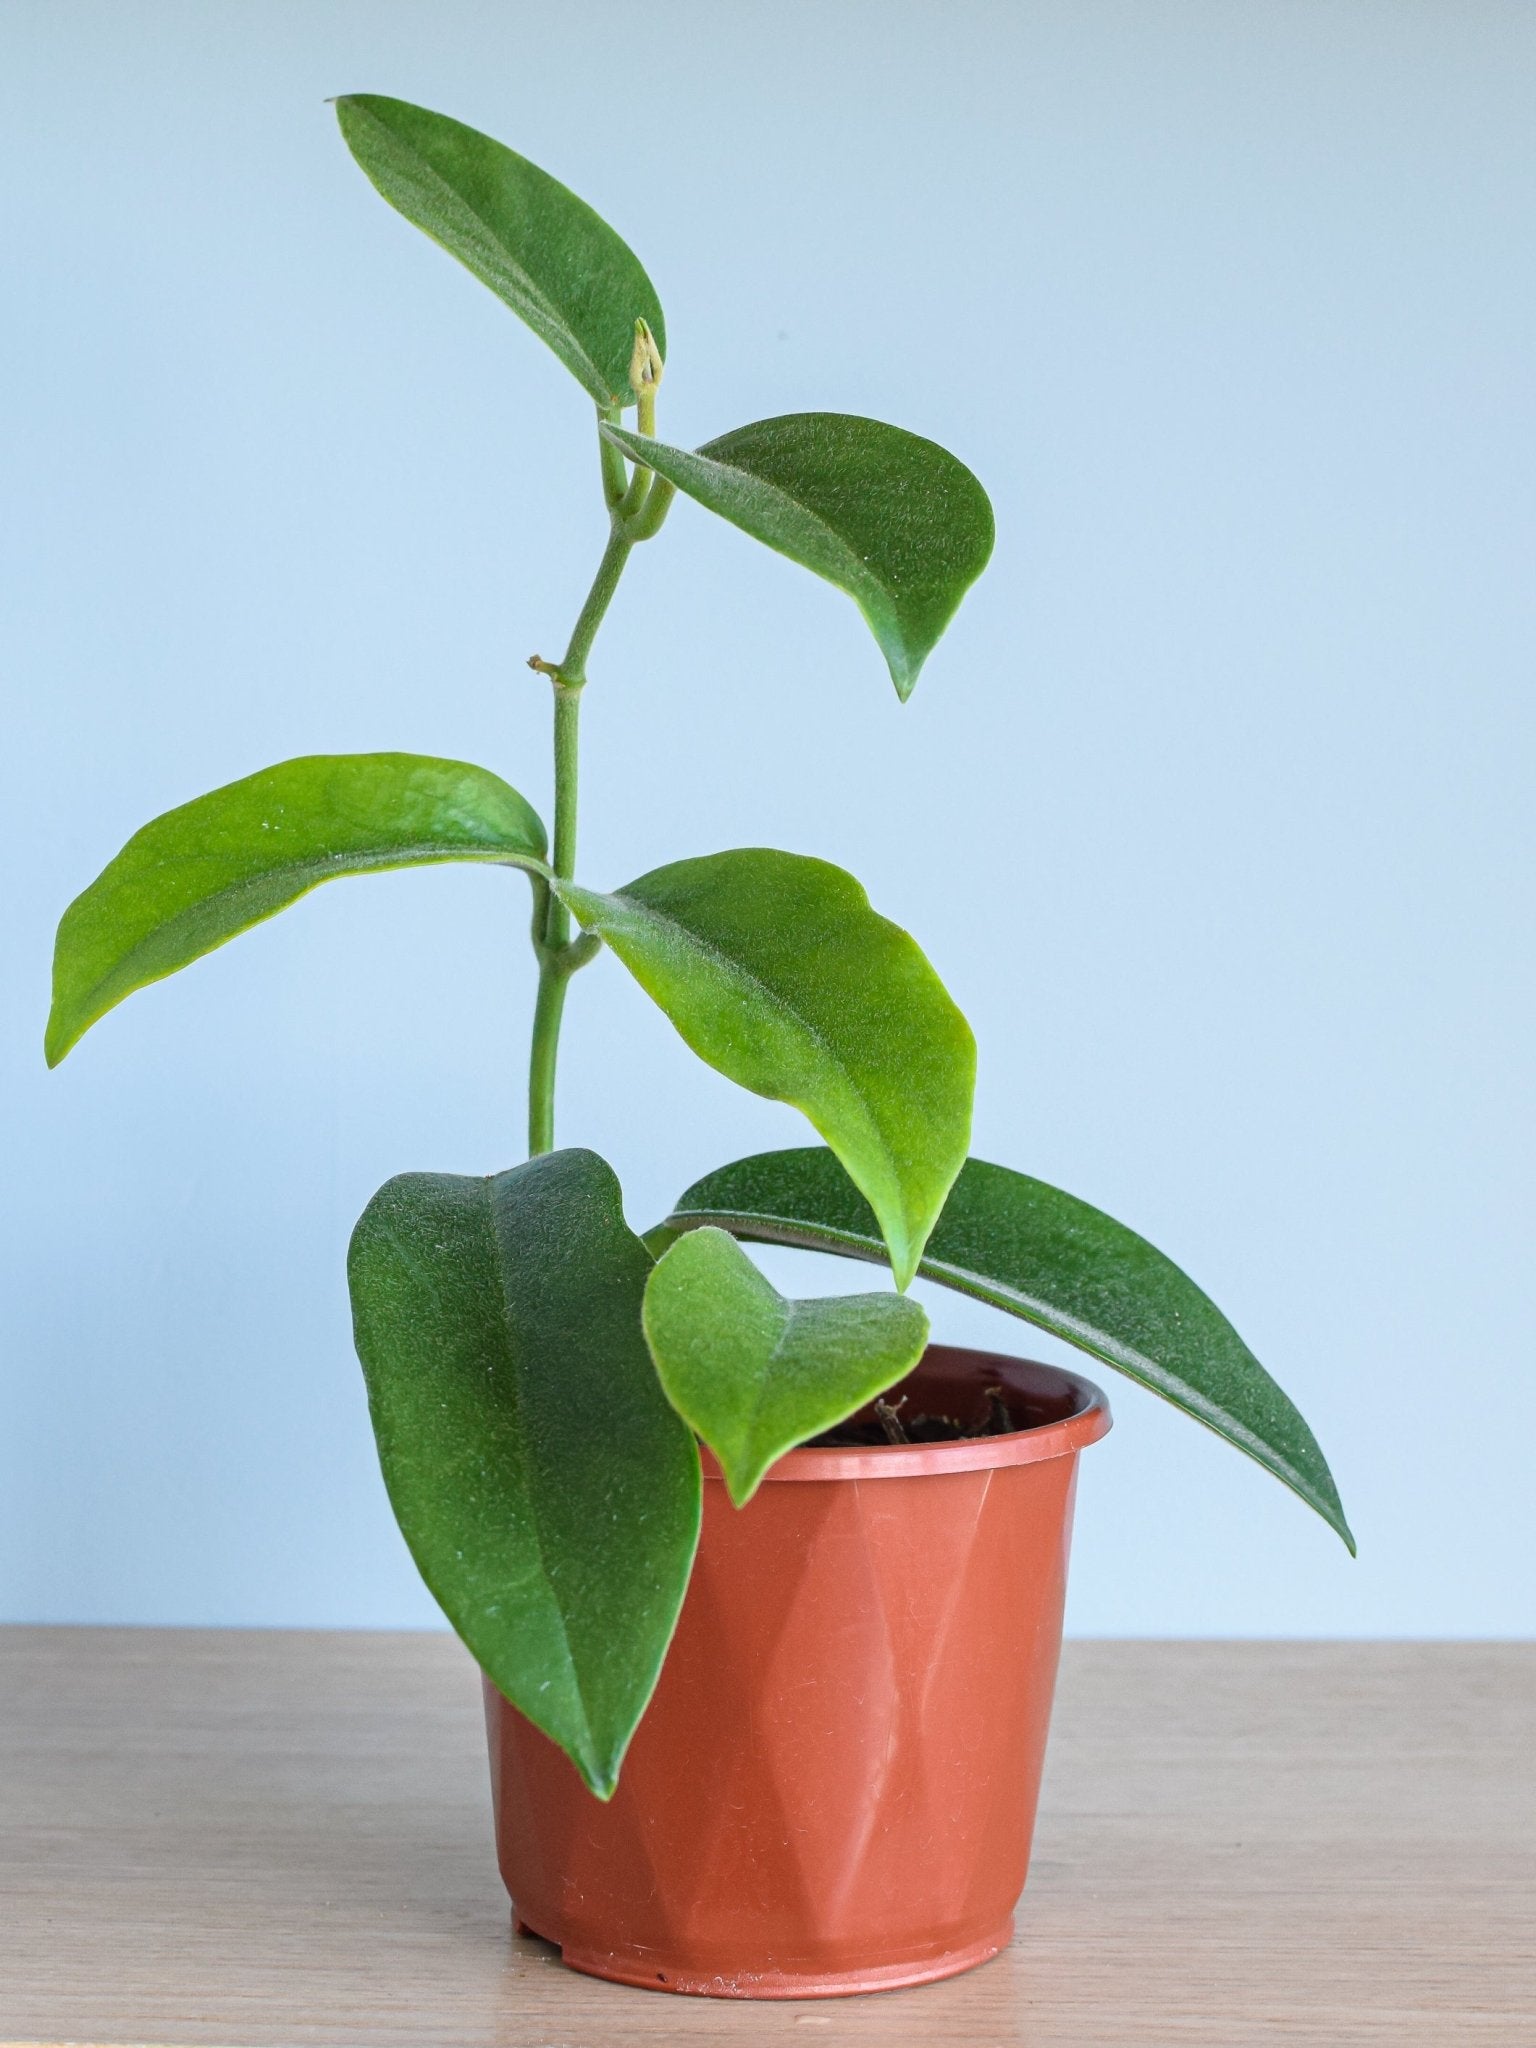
x=539, y=1376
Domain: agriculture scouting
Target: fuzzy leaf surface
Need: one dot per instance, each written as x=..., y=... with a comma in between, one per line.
x=548, y=1491
x=754, y=1373
x=1054, y=1261
x=896, y=521
x=539, y=248
x=777, y=972
x=196, y=876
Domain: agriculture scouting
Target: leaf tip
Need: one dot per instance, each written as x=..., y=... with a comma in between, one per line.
x=57, y=1039
x=601, y=1780
x=905, y=1254
x=742, y=1480
x=904, y=670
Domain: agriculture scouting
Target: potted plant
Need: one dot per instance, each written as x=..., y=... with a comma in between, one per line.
x=833, y=1701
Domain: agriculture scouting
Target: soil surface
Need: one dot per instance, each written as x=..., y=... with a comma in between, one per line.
x=889, y=1422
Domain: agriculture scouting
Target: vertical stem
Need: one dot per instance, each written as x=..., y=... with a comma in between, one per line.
x=614, y=469
x=544, y=1050
x=557, y=923
x=553, y=944
x=541, y=1059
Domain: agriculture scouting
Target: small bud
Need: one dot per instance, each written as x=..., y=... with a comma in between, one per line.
x=645, y=365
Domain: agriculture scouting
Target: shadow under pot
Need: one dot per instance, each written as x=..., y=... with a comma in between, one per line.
x=834, y=1787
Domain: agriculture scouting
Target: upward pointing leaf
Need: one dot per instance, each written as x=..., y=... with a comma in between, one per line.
x=893, y=519
x=549, y=1494
x=542, y=251
x=199, y=874
x=777, y=972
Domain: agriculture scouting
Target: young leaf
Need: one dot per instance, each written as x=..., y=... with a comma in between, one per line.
x=542, y=251
x=892, y=519
x=755, y=1374
x=1057, y=1263
x=549, y=1494
x=776, y=971
x=216, y=866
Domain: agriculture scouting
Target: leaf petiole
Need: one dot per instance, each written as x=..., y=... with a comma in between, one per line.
x=646, y=523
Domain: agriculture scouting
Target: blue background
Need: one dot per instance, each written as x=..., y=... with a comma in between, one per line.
x=1213, y=808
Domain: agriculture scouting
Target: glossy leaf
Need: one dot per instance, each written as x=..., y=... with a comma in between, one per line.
x=756, y=1374
x=891, y=518
x=199, y=874
x=1056, y=1262
x=777, y=972
x=548, y=1492
x=542, y=251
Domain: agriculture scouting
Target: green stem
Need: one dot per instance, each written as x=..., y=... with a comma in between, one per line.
x=557, y=919
x=543, y=1053
x=634, y=494
x=646, y=523
x=573, y=667
x=615, y=475
x=558, y=954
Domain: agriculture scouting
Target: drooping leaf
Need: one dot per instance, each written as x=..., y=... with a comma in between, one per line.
x=199, y=874
x=542, y=251
x=755, y=1374
x=776, y=971
x=894, y=520
x=1056, y=1262
x=548, y=1492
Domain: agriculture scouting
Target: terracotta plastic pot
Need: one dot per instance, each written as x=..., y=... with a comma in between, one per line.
x=834, y=1786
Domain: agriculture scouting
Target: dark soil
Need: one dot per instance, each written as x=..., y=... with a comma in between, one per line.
x=887, y=1422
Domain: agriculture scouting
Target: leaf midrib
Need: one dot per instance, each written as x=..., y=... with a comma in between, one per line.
x=733, y=968
x=331, y=867
x=785, y=1311
x=860, y=572
x=535, y=292
x=528, y=1467
x=1124, y=1358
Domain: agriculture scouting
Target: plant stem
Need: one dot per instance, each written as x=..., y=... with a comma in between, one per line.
x=557, y=919
x=615, y=474
x=557, y=955
x=573, y=667
x=541, y=1059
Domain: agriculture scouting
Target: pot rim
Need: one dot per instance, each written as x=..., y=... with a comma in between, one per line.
x=1089, y=1420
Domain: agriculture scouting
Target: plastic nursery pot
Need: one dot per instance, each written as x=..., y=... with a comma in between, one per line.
x=834, y=1787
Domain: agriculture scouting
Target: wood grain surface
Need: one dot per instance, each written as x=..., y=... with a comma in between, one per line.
x=269, y=1840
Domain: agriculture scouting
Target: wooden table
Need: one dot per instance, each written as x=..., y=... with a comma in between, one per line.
x=282, y=1841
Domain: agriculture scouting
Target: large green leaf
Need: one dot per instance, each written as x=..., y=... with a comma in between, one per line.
x=548, y=1492
x=891, y=518
x=1045, y=1256
x=543, y=251
x=756, y=1374
x=214, y=867
x=776, y=971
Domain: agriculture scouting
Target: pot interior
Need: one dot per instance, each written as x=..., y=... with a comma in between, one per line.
x=967, y=1388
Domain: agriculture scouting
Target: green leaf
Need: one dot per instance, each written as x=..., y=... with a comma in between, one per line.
x=542, y=251
x=548, y=1492
x=891, y=518
x=755, y=1374
x=777, y=972
x=1057, y=1263
x=224, y=862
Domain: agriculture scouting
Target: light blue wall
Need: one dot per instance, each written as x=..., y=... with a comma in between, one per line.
x=1214, y=807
